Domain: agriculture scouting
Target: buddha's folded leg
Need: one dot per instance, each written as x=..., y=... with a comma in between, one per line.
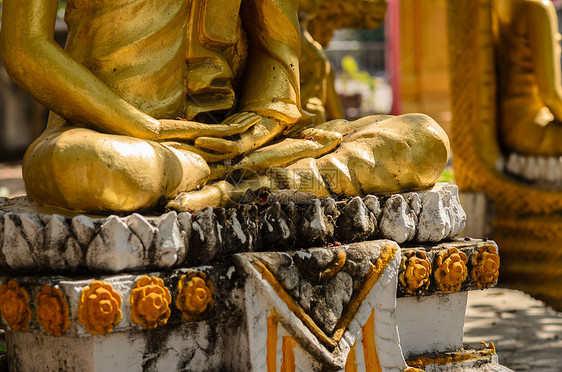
x=80, y=169
x=379, y=155
x=395, y=154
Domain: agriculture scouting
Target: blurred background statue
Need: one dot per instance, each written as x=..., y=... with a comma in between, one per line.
x=530, y=91
x=505, y=99
x=318, y=90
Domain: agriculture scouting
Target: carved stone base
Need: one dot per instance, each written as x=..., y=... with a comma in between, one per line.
x=321, y=309
x=32, y=239
x=239, y=289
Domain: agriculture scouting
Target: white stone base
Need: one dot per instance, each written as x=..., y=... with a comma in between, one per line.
x=431, y=324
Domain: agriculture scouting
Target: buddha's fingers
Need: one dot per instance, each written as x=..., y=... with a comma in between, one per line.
x=190, y=130
x=229, y=129
x=325, y=139
x=245, y=121
x=241, y=117
x=218, y=145
x=208, y=156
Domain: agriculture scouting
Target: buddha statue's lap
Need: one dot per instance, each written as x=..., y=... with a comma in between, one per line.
x=119, y=147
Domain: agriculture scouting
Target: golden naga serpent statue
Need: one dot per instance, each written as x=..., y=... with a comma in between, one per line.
x=506, y=97
x=159, y=100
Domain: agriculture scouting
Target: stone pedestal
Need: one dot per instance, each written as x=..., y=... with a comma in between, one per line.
x=192, y=292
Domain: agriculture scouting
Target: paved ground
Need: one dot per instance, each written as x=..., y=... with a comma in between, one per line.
x=527, y=335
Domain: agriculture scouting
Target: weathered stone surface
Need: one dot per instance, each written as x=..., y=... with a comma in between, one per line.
x=319, y=280
x=356, y=222
x=83, y=228
x=238, y=237
x=37, y=241
x=249, y=313
x=441, y=216
x=61, y=250
x=422, y=330
x=398, y=221
x=373, y=205
x=331, y=212
x=338, y=291
x=434, y=221
x=456, y=212
x=313, y=227
x=115, y=248
x=170, y=241
x=185, y=223
x=277, y=230
x=146, y=233
x=23, y=237
x=205, y=239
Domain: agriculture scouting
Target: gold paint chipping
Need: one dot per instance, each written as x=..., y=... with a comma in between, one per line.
x=451, y=270
x=14, y=306
x=99, y=308
x=150, y=302
x=195, y=295
x=52, y=311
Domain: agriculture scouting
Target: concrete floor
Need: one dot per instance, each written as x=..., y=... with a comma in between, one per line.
x=526, y=333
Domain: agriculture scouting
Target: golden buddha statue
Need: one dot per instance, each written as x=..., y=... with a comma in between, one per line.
x=528, y=52
x=152, y=99
x=317, y=76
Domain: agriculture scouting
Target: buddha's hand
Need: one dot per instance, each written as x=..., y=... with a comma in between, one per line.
x=183, y=130
x=217, y=149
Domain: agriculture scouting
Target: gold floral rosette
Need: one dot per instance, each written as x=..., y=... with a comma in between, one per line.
x=52, y=311
x=99, y=308
x=415, y=272
x=451, y=270
x=14, y=306
x=150, y=302
x=485, y=266
x=195, y=295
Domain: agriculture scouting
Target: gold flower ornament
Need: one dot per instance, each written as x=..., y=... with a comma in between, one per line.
x=485, y=266
x=99, y=308
x=150, y=302
x=52, y=311
x=451, y=270
x=14, y=306
x=195, y=295
x=415, y=272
